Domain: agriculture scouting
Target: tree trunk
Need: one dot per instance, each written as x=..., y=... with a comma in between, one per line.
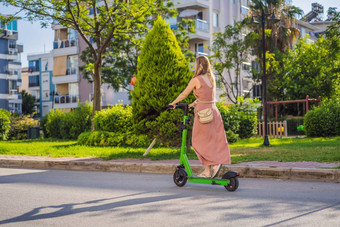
x=97, y=98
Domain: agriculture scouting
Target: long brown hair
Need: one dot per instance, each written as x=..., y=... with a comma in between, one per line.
x=202, y=67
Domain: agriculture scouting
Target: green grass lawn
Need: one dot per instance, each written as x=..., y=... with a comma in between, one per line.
x=283, y=150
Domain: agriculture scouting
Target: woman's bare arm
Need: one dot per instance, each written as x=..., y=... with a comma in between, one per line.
x=192, y=84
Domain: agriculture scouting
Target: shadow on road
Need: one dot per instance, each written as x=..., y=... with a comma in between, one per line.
x=69, y=209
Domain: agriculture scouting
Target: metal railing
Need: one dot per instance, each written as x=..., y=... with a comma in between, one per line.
x=64, y=44
x=197, y=54
x=64, y=99
x=202, y=25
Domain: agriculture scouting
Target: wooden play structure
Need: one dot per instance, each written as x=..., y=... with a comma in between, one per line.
x=279, y=128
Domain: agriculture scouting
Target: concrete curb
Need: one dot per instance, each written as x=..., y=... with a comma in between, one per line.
x=325, y=175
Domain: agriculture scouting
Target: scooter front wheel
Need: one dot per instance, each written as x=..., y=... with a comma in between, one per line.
x=180, y=177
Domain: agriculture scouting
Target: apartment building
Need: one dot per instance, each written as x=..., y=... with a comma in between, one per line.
x=65, y=74
x=40, y=84
x=24, y=80
x=70, y=86
x=109, y=96
x=212, y=16
x=10, y=67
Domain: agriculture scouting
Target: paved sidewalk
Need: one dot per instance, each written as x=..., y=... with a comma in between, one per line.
x=259, y=169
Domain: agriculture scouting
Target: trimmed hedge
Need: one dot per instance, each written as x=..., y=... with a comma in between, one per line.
x=19, y=126
x=103, y=138
x=62, y=125
x=166, y=128
x=117, y=118
x=239, y=121
x=5, y=124
x=323, y=121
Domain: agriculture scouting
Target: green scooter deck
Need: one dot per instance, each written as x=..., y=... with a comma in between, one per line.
x=213, y=181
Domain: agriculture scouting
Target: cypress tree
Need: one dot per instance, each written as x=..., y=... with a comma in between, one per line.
x=162, y=74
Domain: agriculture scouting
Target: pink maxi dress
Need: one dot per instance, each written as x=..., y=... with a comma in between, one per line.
x=209, y=140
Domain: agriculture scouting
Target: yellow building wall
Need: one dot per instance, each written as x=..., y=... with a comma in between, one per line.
x=62, y=89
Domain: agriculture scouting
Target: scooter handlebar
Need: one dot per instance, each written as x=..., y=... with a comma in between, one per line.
x=170, y=107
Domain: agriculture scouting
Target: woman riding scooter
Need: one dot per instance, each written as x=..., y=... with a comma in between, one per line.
x=208, y=136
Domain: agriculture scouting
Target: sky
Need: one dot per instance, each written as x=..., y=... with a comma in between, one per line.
x=40, y=40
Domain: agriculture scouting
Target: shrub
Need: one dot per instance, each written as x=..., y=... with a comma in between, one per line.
x=230, y=117
x=102, y=138
x=166, y=128
x=239, y=119
x=19, y=126
x=4, y=124
x=231, y=137
x=77, y=121
x=323, y=121
x=114, y=119
x=63, y=125
x=54, y=122
x=162, y=74
x=43, y=121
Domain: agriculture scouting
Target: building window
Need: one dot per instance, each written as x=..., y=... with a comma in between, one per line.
x=200, y=48
x=12, y=84
x=200, y=16
x=257, y=91
x=215, y=19
x=246, y=66
x=12, y=44
x=72, y=34
x=33, y=81
x=255, y=66
x=73, y=89
x=72, y=65
x=33, y=66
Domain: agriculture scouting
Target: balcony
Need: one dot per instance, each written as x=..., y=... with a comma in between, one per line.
x=202, y=25
x=74, y=78
x=65, y=101
x=13, y=92
x=64, y=44
x=191, y=3
x=9, y=34
x=33, y=69
x=197, y=54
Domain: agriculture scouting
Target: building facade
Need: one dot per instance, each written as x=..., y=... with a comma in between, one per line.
x=40, y=84
x=10, y=67
x=213, y=16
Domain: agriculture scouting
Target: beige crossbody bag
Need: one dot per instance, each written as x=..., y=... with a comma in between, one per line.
x=206, y=115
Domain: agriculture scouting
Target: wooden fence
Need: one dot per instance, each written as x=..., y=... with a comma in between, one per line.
x=275, y=129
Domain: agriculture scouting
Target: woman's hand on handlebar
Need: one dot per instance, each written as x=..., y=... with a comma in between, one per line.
x=172, y=106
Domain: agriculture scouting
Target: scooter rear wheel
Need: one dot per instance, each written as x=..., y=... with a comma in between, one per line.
x=233, y=185
x=180, y=177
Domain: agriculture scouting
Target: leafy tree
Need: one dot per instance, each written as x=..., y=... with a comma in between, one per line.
x=311, y=69
x=230, y=50
x=27, y=102
x=120, y=63
x=110, y=19
x=162, y=74
x=279, y=37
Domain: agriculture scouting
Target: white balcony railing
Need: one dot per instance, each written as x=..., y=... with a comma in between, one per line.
x=197, y=54
x=13, y=92
x=202, y=25
x=64, y=44
x=65, y=79
x=65, y=99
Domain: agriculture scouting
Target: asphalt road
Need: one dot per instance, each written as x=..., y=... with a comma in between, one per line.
x=78, y=198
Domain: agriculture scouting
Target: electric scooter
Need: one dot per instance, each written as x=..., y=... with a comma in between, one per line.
x=183, y=172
